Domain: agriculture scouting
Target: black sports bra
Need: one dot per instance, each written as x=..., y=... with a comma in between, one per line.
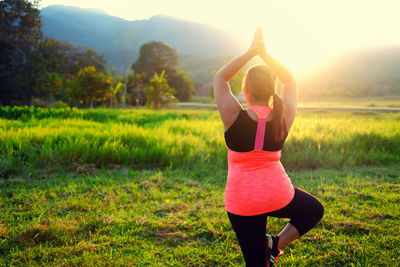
x=241, y=135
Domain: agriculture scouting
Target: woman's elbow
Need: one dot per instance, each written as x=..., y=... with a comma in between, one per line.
x=218, y=77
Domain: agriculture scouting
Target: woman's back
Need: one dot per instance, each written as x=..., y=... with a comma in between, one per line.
x=241, y=135
x=257, y=182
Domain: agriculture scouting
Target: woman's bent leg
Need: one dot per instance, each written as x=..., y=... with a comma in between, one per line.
x=304, y=211
x=250, y=232
x=287, y=235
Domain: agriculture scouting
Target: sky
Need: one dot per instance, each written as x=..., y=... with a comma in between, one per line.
x=300, y=33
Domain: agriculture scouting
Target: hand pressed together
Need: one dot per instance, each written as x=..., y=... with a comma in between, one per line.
x=257, y=46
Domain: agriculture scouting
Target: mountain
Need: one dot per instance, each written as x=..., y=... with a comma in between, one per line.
x=204, y=49
x=119, y=40
x=367, y=63
x=371, y=71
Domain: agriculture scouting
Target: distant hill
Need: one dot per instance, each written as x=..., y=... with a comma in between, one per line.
x=367, y=63
x=370, y=71
x=119, y=40
x=204, y=49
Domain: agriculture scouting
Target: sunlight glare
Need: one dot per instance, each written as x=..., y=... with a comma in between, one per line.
x=300, y=33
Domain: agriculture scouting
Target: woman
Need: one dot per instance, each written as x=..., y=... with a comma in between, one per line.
x=257, y=185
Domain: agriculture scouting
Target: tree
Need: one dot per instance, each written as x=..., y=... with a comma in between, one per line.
x=182, y=84
x=56, y=55
x=20, y=32
x=136, y=82
x=158, y=91
x=6, y=94
x=114, y=90
x=67, y=59
x=49, y=85
x=90, y=86
x=155, y=57
x=90, y=57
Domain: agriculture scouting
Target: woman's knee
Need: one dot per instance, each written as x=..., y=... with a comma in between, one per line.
x=319, y=211
x=311, y=219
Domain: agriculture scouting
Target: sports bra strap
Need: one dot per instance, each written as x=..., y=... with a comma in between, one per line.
x=261, y=111
x=262, y=114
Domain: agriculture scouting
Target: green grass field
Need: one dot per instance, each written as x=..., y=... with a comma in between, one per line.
x=383, y=101
x=145, y=188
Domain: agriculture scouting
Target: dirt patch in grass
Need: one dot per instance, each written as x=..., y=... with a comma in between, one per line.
x=380, y=216
x=92, y=225
x=364, y=196
x=170, y=233
x=142, y=221
x=175, y=236
x=41, y=234
x=76, y=250
x=171, y=208
x=349, y=228
x=3, y=231
x=83, y=168
x=146, y=185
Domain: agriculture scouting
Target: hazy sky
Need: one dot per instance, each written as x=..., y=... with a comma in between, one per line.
x=299, y=32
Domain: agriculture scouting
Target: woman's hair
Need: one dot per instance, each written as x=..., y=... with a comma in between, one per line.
x=260, y=83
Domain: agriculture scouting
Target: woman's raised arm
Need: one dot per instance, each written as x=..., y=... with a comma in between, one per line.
x=227, y=104
x=289, y=88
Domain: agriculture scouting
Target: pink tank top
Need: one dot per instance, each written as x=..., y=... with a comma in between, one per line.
x=257, y=182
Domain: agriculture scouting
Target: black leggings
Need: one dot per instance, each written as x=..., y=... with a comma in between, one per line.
x=304, y=211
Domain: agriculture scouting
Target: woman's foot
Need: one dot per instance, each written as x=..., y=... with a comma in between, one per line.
x=272, y=250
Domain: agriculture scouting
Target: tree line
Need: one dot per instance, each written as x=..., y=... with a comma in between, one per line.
x=37, y=70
